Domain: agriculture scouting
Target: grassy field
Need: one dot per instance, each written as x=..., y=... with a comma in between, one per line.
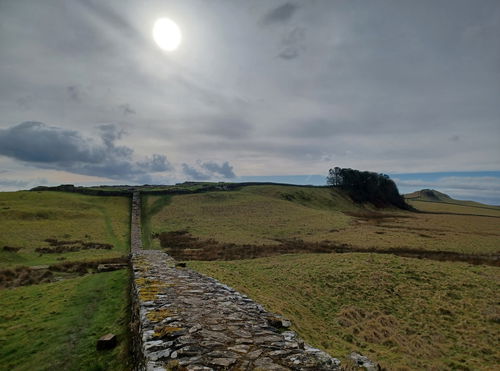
x=27, y=219
x=404, y=313
x=56, y=325
x=266, y=214
x=464, y=207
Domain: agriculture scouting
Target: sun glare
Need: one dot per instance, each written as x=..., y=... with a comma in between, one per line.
x=167, y=34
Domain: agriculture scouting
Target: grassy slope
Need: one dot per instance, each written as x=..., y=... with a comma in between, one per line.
x=56, y=325
x=255, y=214
x=28, y=218
x=406, y=313
x=459, y=207
x=262, y=214
x=151, y=205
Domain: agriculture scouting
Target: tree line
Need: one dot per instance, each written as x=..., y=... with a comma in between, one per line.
x=367, y=186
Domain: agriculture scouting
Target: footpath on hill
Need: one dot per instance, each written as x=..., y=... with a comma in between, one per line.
x=184, y=320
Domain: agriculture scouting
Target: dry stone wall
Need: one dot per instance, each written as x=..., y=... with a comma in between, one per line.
x=187, y=321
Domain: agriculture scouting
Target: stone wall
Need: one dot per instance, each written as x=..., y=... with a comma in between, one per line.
x=135, y=223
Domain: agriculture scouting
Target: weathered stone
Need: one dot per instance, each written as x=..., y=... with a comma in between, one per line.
x=189, y=351
x=222, y=354
x=363, y=361
x=241, y=348
x=278, y=322
x=108, y=341
x=223, y=362
x=255, y=354
x=267, y=339
x=161, y=354
x=266, y=363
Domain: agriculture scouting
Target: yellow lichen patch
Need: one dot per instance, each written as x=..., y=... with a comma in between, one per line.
x=173, y=365
x=165, y=330
x=148, y=288
x=148, y=293
x=159, y=314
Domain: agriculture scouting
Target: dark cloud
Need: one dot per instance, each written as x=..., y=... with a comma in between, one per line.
x=74, y=92
x=225, y=170
x=289, y=53
x=280, y=14
x=56, y=148
x=156, y=163
x=193, y=173
x=293, y=43
x=126, y=109
x=208, y=171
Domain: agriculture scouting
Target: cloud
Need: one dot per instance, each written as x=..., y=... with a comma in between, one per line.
x=280, y=14
x=156, y=163
x=74, y=92
x=230, y=127
x=293, y=43
x=208, y=170
x=126, y=109
x=282, y=86
x=52, y=147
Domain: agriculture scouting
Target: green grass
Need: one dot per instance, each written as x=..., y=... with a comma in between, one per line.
x=405, y=313
x=56, y=325
x=28, y=218
x=151, y=205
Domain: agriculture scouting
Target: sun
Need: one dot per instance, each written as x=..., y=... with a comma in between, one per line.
x=167, y=34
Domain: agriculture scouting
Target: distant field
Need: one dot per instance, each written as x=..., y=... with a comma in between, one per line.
x=56, y=325
x=464, y=207
x=267, y=214
x=27, y=219
x=405, y=313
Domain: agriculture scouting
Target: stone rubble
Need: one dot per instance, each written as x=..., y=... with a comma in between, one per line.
x=187, y=321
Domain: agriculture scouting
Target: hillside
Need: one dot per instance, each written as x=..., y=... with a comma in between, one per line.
x=274, y=215
x=431, y=200
x=428, y=195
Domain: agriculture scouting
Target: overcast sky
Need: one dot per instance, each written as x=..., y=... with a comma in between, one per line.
x=257, y=88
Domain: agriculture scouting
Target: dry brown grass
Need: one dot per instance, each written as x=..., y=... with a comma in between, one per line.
x=407, y=314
